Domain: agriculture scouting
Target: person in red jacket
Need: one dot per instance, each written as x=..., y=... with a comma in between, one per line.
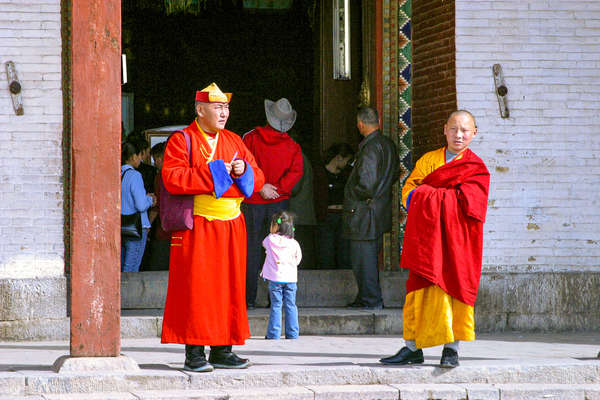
x=280, y=159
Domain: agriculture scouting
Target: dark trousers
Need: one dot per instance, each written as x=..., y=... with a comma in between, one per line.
x=333, y=248
x=305, y=235
x=363, y=258
x=258, y=221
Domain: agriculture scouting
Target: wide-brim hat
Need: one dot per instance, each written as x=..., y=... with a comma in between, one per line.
x=212, y=94
x=280, y=114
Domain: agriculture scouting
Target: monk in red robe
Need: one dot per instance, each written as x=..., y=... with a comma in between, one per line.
x=206, y=297
x=446, y=199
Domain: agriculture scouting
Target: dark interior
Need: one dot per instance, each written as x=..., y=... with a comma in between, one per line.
x=255, y=54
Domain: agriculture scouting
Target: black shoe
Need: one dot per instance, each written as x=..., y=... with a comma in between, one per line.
x=449, y=358
x=356, y=304
x=404, y=356
x=375, y=307
x=223, y=357
x=195, y=359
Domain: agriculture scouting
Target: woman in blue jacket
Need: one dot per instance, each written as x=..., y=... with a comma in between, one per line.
x=133, y=199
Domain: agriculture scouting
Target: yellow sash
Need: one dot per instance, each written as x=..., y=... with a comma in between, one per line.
x=223, y=209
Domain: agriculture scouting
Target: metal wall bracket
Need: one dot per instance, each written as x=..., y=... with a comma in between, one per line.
x=501, y=90
x=14, y=87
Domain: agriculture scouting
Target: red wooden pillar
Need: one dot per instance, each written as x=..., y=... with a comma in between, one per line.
x=96, y=191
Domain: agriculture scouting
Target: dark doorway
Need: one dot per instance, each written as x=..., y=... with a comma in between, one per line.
x=255, y=54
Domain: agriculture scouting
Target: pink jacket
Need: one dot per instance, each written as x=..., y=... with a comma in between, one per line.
x=283, y=257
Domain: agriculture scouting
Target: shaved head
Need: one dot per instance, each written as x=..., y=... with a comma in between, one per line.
x=462, y=112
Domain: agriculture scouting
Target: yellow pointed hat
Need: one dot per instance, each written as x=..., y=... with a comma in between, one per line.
x=212, y=94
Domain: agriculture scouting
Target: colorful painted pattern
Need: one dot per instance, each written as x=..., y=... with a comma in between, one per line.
x=396, y=64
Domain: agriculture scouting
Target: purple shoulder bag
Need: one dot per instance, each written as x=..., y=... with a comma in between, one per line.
x=177, y=211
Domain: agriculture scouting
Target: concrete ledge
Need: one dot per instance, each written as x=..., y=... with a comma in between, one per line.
x=526, y=299
x=33, y=298
x=35, y=329
x=355, y=392
x=99, y=381
x=12, y=384
x=538, y=301
x=349, y=392
x=144, y=289
x=323, y=383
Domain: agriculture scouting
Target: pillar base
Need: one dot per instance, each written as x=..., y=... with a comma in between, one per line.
x=86, y=364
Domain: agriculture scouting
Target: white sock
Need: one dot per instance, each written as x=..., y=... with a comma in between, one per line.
x=453, y=345
x=411, y=344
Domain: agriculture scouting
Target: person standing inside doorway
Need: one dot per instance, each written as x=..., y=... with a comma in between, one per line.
x=330, y=180
x=280, y=159
x=205, y=302
x=368, y=206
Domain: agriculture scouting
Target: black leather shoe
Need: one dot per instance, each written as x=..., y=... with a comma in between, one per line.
x=375, y=307
x=449, y=358
x=404, y=356
x=356, y=304
x=195, y=359
x=223, y=357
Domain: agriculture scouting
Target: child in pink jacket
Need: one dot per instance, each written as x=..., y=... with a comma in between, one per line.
x=281, y=270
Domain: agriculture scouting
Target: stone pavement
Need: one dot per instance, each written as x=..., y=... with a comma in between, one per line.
x=496, y=366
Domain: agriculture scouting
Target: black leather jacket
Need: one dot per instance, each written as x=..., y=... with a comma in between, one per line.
x=368, y=192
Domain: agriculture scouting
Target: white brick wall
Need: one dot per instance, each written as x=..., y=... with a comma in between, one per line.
x=544, y=205
x=31, y=192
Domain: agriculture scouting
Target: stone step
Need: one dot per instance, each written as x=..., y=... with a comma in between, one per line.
x=312, y=321
x=308, y=391
x=351, y=392
x=509, y=365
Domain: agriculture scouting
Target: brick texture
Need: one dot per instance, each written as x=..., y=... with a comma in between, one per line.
x=31, y=194
x=543, y=206
x=434, y=83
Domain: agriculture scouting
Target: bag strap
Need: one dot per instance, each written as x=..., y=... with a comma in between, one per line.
x=123, y=174
x=188, y=143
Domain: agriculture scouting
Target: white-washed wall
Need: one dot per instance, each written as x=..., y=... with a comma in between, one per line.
x=31, y=191
x=544, y=204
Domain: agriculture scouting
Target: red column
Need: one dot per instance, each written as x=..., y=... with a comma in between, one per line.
x=96, y=191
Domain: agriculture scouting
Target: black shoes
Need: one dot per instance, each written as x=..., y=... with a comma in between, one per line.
x=223, y=357
x=220, y=357
x=449, y=358
x=195, y=359
x=404, y=356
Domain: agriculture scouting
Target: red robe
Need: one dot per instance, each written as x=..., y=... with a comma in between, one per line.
x=206, y=297
x=443, y=240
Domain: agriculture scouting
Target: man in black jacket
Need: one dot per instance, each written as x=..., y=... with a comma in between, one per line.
x=368, y=206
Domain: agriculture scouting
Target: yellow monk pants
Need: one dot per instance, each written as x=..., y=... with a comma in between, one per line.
x=431, y=317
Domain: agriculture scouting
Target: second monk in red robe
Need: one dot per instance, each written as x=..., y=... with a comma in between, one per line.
x=446, y=198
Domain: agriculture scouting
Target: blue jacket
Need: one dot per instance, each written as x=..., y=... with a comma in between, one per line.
x=133, y=194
